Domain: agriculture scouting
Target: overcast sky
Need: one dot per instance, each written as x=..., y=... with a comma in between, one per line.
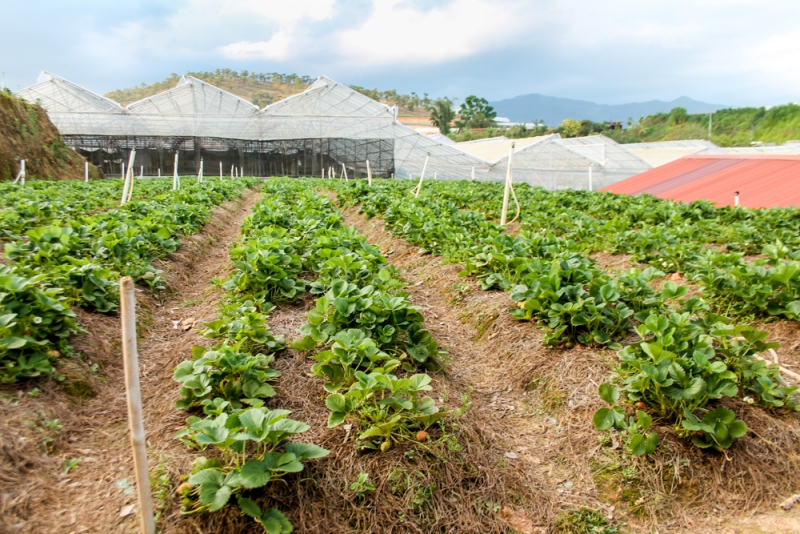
x=729, y=52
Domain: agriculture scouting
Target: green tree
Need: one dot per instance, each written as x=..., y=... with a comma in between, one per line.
x=570, y=128
x=476, y=113
x=678, y=116
x=441, y=114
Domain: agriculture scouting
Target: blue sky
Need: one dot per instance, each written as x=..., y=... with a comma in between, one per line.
x=611, y=51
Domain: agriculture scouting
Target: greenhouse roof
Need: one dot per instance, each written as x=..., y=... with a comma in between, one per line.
x=193, y=108
x=762, y=181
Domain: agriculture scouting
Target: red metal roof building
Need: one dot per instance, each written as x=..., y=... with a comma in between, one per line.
x=763, y=181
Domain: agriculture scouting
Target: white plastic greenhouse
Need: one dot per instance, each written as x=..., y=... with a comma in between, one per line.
x=328, y=127
x=324, y=127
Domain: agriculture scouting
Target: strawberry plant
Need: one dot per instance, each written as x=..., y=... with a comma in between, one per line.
x=389, y=408
x=254, y=451
x=225, y=373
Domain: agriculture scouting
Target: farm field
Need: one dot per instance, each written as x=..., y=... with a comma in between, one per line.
x=326, y=356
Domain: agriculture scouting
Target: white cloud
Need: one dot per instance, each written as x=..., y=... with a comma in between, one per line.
x=278, y=48
x=398, y=34
x=287, y=15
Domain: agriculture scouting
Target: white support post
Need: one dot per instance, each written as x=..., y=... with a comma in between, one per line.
x=323, y=173
x=200, y=173
x=231, y=172
x=85, y=171
x=507, y=191
x=175, y=173
x=473, y=173
x=159, y=172
x=369, y=175
x=123, y=175
x=141, y=171
x=220, y=171
x=21, y=173
x=134, y=396
x=133, y=182
x=127, y=185
x=434, y=174
x=736, y=198
x=591, y=188
x=422, y=176
x=344, y=172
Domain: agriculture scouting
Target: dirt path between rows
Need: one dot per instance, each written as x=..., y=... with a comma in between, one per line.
x=97, y=495
x=538, y=403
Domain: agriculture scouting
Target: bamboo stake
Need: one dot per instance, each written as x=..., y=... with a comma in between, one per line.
x=134, y=396
x=175, y=172
x=369, y=175
x=507, y=191
x=422, y=176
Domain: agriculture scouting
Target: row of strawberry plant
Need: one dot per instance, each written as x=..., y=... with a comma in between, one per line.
x=672, y=237
x=79, y=263
x=561, y=285
x=226, y=388
x=41, y=203
x=363, y=322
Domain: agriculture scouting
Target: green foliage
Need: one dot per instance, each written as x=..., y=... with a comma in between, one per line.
x=224, y=375
x=77, y=258
x=570, y=128
x=475, y=112
x=249, y=443
x=361, y=485
x=388, y=408
x=442, y=114
x=687, y=358
x=583, y=521
x=730, y=127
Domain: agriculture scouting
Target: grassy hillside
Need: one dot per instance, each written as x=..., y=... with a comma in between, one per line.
x=27, y=133
x=264, y=88
x=259, y=88
x=730, y=127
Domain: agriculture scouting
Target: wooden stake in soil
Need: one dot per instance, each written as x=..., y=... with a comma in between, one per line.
x=369, y=175
x=422, y=176
x=131, y=359
x=507, y=191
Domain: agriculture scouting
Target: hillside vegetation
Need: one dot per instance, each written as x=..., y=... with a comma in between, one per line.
x=261, y=88
x=730, y=127
x=27, y=133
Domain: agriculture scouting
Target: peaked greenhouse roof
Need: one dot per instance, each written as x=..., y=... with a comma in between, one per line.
x=193, y=108
x=58, y=95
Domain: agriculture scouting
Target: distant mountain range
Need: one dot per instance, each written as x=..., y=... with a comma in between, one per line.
x=552, y=110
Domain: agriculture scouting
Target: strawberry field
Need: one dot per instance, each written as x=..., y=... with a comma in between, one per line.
x=333, y=356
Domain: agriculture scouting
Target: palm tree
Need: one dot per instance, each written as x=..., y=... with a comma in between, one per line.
x=441, y=114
